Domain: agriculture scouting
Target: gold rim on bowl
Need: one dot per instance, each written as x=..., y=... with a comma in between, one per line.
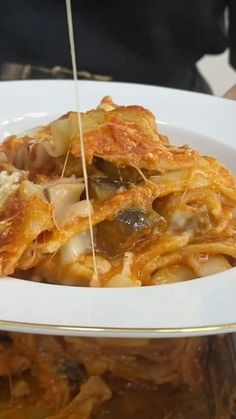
x=88, y=330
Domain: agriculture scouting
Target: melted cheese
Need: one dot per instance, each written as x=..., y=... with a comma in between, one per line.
x=95, y=281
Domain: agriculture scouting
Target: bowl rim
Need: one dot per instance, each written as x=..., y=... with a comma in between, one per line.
x=111, y=332
x=187, y=101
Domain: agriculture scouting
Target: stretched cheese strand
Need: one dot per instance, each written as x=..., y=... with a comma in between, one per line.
x=95, y=280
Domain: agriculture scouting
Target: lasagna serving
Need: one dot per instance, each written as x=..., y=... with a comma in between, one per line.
x=85, y=378
x=159, y=213
x=52, y=377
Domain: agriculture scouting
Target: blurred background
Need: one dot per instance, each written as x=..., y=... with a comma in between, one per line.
x=217, y=71
x=182, y=44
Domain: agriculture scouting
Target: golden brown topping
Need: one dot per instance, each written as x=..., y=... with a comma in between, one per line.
x=154, y=207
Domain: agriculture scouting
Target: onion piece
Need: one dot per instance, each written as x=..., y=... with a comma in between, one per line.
x=58, y=144
x=204, y=265
x=81, y=209
x=171, y=274
x=197, y=179
x=103, y=265
x=75, y=247
x=63, y=197
x=9, y=184
x=120, y=281
x=29, y=189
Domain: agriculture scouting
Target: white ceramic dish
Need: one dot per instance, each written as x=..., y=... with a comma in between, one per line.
x=201, y=306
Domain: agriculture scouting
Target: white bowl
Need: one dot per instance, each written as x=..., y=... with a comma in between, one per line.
x=201, y=306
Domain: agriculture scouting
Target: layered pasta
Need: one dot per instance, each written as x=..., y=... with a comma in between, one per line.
x=83, y=378
x=159, y=213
